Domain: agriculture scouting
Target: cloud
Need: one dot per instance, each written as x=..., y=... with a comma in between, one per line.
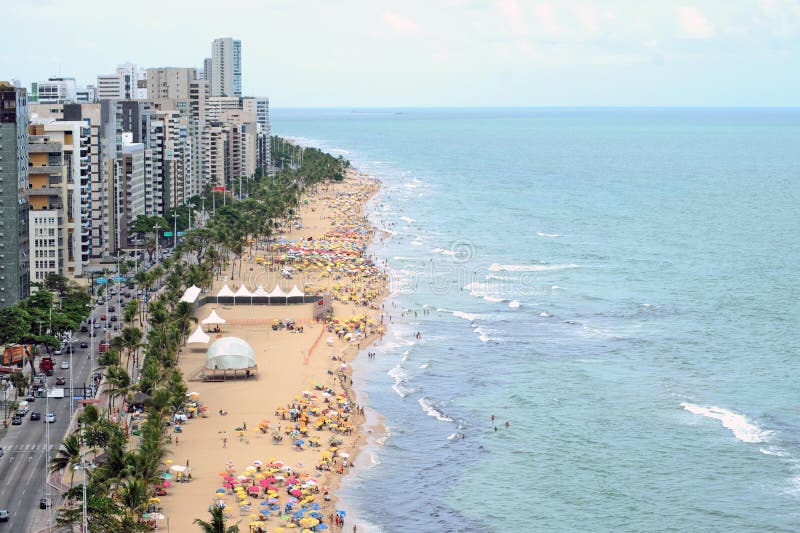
x=547, y=17
x=693, y=24
x=401, y=24
x=509, y=10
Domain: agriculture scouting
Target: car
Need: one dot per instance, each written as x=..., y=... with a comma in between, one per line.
x=60, y=380
x=36, y=415
x=30, y=397
x=1, y=451
x=84, y=344
x=103, y=317
x=111, y=308
x=100, y=301
x=84, y=329
x=114, y=318
x=44, y=503
x=64, y=365
x=3, y=515
x=50, y=418
x=16, y=420
x=57, y=351
x=96, y=325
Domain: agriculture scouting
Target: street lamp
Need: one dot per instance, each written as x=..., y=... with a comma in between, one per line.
x=157, y=227
x=175, y=229
x=71, y=399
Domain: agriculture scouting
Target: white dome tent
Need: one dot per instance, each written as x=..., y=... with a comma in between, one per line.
x=230, y=356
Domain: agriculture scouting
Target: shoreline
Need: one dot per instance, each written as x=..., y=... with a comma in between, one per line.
x=282, y=379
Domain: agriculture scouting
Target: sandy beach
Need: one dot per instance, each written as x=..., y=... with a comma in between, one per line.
x=306, y=372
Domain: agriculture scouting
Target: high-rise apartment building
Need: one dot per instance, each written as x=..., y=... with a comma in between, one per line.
x=264, y=133
x=169, y=83
x=14, y=161
x=226, y=67
x=56, y=90
x=205, y=72
x=58, y=196
x=124, y=84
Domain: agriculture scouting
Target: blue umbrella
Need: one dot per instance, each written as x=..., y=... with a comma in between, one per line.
x=321, y=526
x=298, y=514
x=340, y=512
x=316, y=514
x=316, y=506
x=300, y=442
x=265, y=503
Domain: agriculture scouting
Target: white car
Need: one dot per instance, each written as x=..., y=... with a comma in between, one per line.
x=64, y=365
x=57, y=351
x=50, y=418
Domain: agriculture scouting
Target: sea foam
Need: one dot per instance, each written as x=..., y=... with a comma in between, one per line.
x=430, y=410
x=551, y=235
x=495, y=267
x=737, y=423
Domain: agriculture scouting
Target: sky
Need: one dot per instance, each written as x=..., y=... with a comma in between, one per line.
x=392, y=53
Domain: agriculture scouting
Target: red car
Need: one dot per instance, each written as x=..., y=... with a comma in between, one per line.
x=60, y=380
x=102, y=317
x=104, y=346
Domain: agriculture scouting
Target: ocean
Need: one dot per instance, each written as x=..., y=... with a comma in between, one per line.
x=619, y=285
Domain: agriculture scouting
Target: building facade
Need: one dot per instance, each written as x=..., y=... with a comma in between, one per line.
x=14, y=162
x=226, y=67
x=169, y=83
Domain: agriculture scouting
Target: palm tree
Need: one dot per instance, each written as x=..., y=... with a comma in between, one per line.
x=217, y=523
x=118, y=383
x=184, y=314
x=20, y=383
x=68, y=456
x=133, y=494
x=131, y=340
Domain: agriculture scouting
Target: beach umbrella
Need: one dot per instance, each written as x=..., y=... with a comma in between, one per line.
x=166, y=475
x=220, y=491
x=320, y=527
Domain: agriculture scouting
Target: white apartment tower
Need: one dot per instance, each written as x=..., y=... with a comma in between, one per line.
x=226, y=67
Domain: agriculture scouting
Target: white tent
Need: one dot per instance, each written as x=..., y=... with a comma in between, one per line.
x=260, y=291
x=243, y=292
x=277, y=292
x=198, y=337
x=213, y=318
x=225, y=291
x=295, y=292
x=230, y=353
x=191, y=294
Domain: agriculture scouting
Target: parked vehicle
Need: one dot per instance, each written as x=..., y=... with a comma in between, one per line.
x=4, y=515
x=16, y=420
x=64, y=365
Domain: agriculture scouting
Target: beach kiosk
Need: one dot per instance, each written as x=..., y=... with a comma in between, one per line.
x=229, y=357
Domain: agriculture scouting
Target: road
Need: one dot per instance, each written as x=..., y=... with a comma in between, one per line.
x=23, y=467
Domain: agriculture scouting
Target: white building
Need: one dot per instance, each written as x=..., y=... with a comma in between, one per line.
x=226, y=67
x=54, y=91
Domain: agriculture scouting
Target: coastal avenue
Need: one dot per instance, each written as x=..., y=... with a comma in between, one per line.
x=22, y=467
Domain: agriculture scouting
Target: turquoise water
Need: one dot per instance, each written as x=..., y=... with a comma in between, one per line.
x=620, y=285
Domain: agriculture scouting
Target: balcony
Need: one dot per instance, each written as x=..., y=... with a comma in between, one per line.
x=45, y=191
x=45, y=169
x=43, y=147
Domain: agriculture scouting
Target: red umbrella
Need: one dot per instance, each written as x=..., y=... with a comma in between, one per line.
x=253, y=490
x=264, y=483
x=296, y=492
